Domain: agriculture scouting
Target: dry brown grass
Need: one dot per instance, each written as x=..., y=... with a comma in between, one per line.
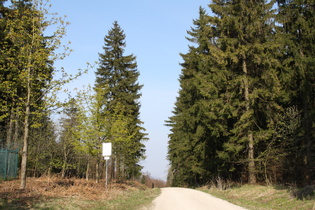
x=46, y=188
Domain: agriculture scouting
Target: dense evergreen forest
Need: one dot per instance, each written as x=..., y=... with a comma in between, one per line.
x=29, y=84
x=246, y=106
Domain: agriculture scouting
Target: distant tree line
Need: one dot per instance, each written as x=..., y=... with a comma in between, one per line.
x=246, y=105
x=151, y=182
x=107, y=112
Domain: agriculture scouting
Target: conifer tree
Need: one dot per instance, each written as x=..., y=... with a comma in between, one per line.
x=186, y=150
x=7, y=83
x=247, y=47
x=197, y=128
x=296, y=18
x=117, y=75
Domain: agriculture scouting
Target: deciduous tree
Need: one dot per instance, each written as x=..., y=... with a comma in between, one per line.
x=29, y=56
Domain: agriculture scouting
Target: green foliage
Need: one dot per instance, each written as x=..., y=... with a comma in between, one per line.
x=247, y=95
x=28, y=88
x=197, y=127
x=69, y=135
x=298, y=76
x=43, y=148
x=28, y=81
x=245, y=110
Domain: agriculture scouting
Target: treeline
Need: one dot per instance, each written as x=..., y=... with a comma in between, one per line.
x=29, y=84
x=246, y=105
x=151, y=182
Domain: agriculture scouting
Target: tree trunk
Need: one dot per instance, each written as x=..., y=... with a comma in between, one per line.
x=50, y=165
x=10, y=129
x=111, y=168
x=87, y=170
x=16, y=129
x=27, y=112
x=123, y=169
x=65, y=159
x=25, y=140
x=118, y=172
x=251, y=161
x=63, y=170
x=97, y=172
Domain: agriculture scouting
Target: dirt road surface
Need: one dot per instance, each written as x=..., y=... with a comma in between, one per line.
x=188, y=199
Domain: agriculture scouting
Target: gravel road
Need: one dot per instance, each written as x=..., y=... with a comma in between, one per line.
x=187, y=199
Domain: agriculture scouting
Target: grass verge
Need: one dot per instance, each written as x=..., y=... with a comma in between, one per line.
x=129, y=200
x=266, y=197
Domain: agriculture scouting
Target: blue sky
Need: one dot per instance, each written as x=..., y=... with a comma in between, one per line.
x=155, y=33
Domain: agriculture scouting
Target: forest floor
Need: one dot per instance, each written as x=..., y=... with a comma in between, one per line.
x=56, y=193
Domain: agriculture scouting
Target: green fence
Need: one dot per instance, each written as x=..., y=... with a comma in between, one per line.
x=8, y=163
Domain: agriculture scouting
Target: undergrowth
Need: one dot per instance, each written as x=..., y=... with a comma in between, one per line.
x=56, y=193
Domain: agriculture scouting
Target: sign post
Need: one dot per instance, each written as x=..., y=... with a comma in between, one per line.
x=107, y=152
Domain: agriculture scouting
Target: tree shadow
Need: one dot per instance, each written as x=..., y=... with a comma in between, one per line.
x=20, y=199
x=300, y=193
x=306, y=193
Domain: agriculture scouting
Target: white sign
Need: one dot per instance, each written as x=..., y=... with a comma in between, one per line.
x=107, y=149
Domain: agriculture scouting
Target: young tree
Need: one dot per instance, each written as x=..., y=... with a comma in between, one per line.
x=69, y=134
x=93, y=127
x=117, y=75
x=43, y=147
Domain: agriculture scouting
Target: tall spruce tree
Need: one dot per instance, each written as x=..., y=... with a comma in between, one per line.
x=185, y=158
x=297, y=33
x=247, y=46
x=117, y=75
x=198, y=128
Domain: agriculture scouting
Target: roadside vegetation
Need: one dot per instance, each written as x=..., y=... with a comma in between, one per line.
x=56, y=193
x=266, y=197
